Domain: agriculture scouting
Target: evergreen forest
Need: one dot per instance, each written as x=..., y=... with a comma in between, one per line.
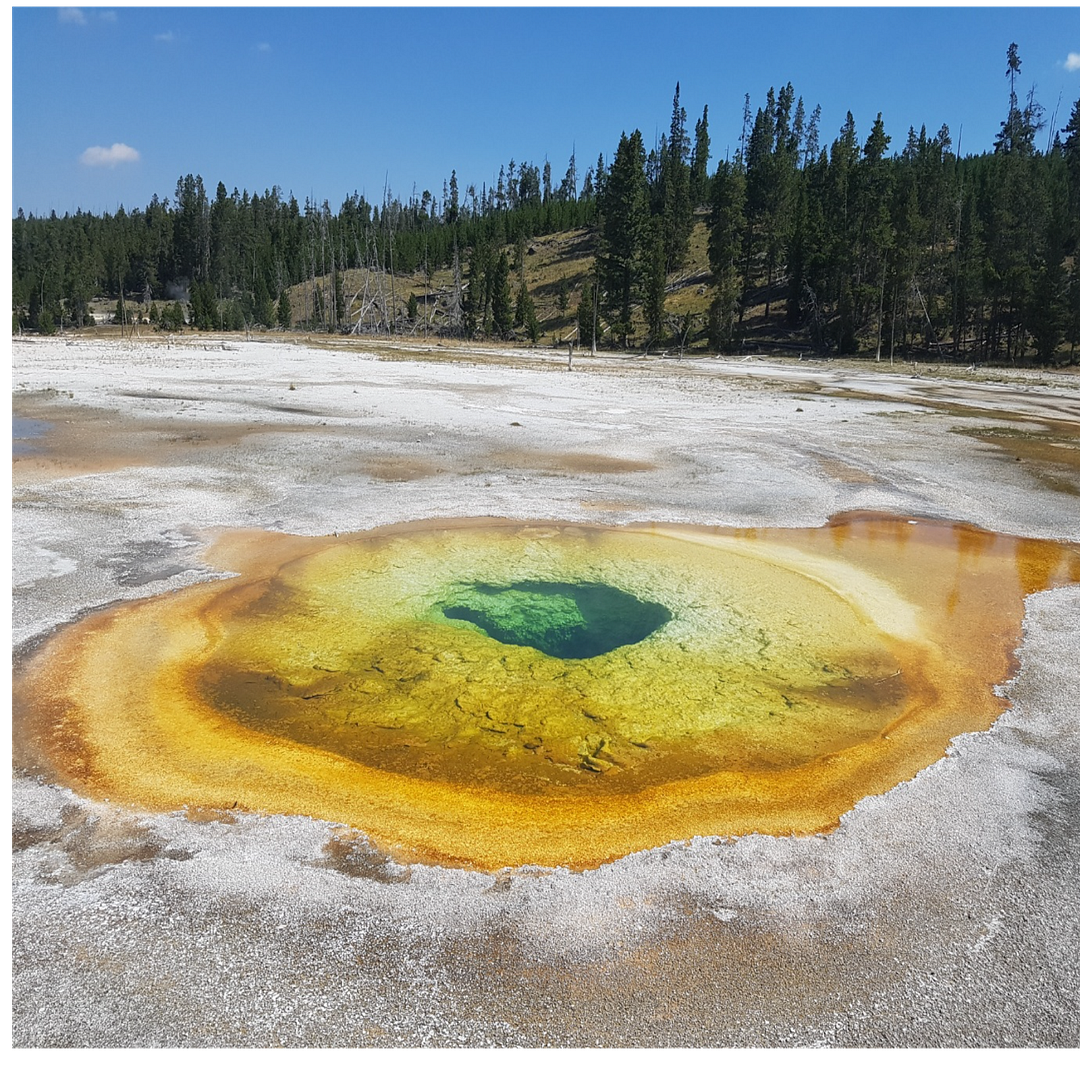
x=859, y=245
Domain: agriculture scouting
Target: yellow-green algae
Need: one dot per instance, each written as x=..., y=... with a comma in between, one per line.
x=759, y=665
x=798, y=671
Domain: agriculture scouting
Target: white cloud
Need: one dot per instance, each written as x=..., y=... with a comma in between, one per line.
x=71, y=15
x=167, y=36
x=109, y=156
x=108, y=16
x=263, y=46
x=1072, y=62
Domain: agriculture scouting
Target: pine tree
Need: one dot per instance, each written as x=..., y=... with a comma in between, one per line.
x=264, y=305
x=191, y=230
x=655, y=282
x=726, y=226
x=522, y=304
x=452, y=214
x=209, y=305
x=172, y=317
x=1070, y=150
x=502, y=307
x=472, y=301
x=562, y=298
x=525, y=313
x=600, y=176
x=624, y=211
x=842, y=233
x=699, y=162
x=568, y=189
x=1016, y=229
x=586, y=315
x=771, y=161
x=875, y=231
x=196, y=317
x=1013, y=136
x=675, y=203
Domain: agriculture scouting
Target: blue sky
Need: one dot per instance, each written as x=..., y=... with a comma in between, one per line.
x=110, y=105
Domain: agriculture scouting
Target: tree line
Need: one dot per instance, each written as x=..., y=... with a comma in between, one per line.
x=851, y=246
x=970, y=257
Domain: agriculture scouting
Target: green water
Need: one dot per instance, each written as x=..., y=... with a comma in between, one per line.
x=567, y=620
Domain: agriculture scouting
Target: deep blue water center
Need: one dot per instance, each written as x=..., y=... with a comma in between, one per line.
x=567, y=620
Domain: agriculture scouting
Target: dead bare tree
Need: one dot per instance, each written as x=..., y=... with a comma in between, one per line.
x=372, y=315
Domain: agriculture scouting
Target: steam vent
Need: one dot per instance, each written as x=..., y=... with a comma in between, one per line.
x=491, y=693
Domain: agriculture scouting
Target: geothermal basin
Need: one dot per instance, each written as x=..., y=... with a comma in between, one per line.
x=453, y=698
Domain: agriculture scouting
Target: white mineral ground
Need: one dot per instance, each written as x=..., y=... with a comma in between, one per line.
x=945, y=912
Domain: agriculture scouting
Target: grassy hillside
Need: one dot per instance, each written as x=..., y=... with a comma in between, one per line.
x=553, y=264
